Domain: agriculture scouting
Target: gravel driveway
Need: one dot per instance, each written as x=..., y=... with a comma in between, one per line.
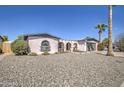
x=62, y=70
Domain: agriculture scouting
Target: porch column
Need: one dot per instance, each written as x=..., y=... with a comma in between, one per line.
x=96, y=46
x=85, y=46
x=64, y=47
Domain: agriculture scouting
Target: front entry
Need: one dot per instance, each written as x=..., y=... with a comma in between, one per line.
x=75, y=47
x=68, y=46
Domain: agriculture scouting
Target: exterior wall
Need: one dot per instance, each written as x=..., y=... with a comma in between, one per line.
x=82, y=47
x=35, y=44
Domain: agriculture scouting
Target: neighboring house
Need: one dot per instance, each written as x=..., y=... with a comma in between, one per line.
x=40, y=43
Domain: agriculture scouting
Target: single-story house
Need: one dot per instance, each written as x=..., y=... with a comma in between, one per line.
x=40, y=43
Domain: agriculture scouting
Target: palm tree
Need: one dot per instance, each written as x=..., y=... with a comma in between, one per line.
x=110, y=49
x=101, y=28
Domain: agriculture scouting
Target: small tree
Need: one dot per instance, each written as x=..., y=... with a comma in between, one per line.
x=103, y=44
x=100, y=46
x=20, y=47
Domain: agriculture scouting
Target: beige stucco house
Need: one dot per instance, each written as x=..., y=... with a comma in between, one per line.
x=40, y=43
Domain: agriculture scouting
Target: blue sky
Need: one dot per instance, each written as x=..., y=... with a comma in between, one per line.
x=67, y=22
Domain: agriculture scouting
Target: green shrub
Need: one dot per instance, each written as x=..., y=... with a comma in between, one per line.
x=100, y=46
x=20, y=47
x=32, y=54
x=103, y=44
x=45, y=53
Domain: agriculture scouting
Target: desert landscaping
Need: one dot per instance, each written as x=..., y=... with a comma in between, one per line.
x=61, y=46
x=60, y=70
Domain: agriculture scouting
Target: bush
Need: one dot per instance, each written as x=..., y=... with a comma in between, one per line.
x=45, y=53
x=100, y=46
x=20, y=47
x=32, y=54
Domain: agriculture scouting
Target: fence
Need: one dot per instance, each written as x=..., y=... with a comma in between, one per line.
x=6, y=47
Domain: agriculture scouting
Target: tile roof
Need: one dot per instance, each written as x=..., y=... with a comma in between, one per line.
x=41, y=35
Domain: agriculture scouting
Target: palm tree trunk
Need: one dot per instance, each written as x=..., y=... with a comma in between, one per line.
x=110, y=49
x=100, y=37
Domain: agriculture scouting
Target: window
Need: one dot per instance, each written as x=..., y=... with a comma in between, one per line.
x=45, y=46
x=61, y=47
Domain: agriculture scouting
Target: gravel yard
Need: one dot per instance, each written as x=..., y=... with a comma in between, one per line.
x=61, y=70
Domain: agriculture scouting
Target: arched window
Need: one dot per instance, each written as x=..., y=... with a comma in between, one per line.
x=45, y=46
x=61, y=47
